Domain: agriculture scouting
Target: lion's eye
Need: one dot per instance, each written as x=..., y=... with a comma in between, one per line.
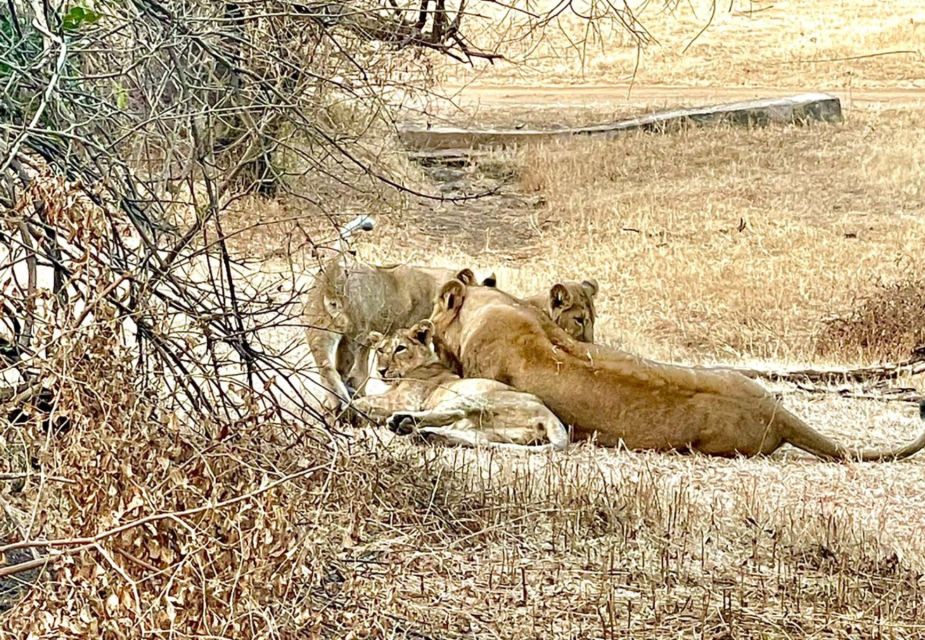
x=579, y=321
x=400, y=348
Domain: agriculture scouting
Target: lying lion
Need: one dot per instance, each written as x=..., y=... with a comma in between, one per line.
x=431, y=401
x=620, y=398
x=351, y=298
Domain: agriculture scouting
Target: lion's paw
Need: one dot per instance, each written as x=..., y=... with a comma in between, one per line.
x=401, y=423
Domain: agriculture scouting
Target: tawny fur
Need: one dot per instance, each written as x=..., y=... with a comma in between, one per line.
x=570, y=305
x=428, y=399
x=351, y=298
x=618, y=397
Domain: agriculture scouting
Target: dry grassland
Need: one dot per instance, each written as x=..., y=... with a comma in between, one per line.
x=724, y=244
x=770, y=247
x=711, y=246
x=817, y=43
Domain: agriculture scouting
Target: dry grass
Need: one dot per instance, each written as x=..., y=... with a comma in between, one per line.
x=607, y=544
x=826, y=213
x=732, y=244
x=437, y=543
x=837, y=44
x=890, y=322
x=600, y=545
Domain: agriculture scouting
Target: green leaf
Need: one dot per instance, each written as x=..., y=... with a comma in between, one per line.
x=121, y=97
x=78, y=16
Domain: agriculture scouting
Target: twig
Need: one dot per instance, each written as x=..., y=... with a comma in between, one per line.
x=50, y=88
x=21, y=476
x=37, y=563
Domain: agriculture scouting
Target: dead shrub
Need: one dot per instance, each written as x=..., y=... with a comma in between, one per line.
x=887, y=324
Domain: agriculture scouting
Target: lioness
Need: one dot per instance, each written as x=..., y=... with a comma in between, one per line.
x=430, y=400
x=618, y=397
x=570, y=305
x=351, y=298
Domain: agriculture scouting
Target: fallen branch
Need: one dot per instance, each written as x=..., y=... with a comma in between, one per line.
x=40, y=476
x=889, y=395
x=13, y=569
x=913, y=366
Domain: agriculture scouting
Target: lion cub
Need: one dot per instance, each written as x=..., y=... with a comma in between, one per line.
x=431, y=401
x=570, y=305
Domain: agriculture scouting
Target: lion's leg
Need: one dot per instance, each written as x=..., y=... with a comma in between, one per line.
x=460, y=433
x=381, y=407
x=359, y=372
x=345, y=362
x=405, y=422
x=466, y=434
x=324, y=345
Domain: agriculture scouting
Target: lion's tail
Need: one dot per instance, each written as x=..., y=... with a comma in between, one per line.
x=802, y=436
x=360, y=223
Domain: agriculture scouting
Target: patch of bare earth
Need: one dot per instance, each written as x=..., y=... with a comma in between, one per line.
x=483, y=214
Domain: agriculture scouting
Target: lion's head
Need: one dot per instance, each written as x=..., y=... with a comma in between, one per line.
x=571, y=306
x=397, y=354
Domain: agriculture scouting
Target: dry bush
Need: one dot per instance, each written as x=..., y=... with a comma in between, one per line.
x=888, y=324
x=144, y=420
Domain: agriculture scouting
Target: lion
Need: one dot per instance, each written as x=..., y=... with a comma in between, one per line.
x=429, y=400
x=619, y=398
x=351, y=298
x=570, y=305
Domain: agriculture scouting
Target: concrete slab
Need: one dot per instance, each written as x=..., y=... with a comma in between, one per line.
x=796, y=109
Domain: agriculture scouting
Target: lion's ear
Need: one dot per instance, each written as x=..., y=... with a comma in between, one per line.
x=491, y=280
x=466, y=276
x=559, y=296
x=590, y=285
x=452, y=295
x=423, y=332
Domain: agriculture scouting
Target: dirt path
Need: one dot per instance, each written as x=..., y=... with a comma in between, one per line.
x=628, y=95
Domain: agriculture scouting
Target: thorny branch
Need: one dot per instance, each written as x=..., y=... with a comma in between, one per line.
x=155, y=110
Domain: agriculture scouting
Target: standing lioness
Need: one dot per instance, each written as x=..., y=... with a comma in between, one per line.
x=351, y=298
x=428, y=399
x=618, y=397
